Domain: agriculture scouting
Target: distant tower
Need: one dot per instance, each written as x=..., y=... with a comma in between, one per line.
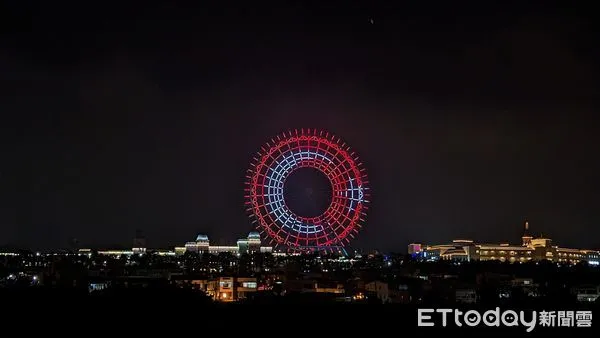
x=254, y=242
x=73, y=244
x=139, y=242
x=202, y=242
x=526, y=238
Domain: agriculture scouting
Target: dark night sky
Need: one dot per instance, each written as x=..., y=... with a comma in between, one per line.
x=467, y=119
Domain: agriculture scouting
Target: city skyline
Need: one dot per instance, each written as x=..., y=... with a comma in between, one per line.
x=467, y=124
x=133, y=243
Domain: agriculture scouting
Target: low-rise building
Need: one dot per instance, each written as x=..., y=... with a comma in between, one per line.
x=231, y=289
x=465, y=296
x=586, y=293
x=378, y=289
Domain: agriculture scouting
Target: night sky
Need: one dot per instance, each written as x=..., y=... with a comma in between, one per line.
x=469, y=120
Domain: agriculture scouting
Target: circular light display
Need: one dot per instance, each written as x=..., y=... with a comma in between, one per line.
x=319, y=150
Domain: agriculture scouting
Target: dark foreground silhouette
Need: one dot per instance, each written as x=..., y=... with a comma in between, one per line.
x=156, y=308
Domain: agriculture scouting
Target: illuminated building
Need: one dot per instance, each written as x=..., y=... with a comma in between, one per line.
x=221, y=289
x=139, y=250
x=8, y=254
x=242, y=245
x=162, y=252
x=504, y=253
x=245, y=286
x=460, y=250
x=191, y=247
x=415, y=248
x=591, y=256
x=116, y=253
x=526, y=238
x=231, y=289
x=250, y=244
x=245, y=245
x=332, y=287
x=254, y=243
x=531, y=249
x=139, y=243
x=201, y=245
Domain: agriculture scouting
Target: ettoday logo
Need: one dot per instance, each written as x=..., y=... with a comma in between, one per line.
x=508, y=318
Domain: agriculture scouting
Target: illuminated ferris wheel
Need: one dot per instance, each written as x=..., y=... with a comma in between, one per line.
x=269, y=203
